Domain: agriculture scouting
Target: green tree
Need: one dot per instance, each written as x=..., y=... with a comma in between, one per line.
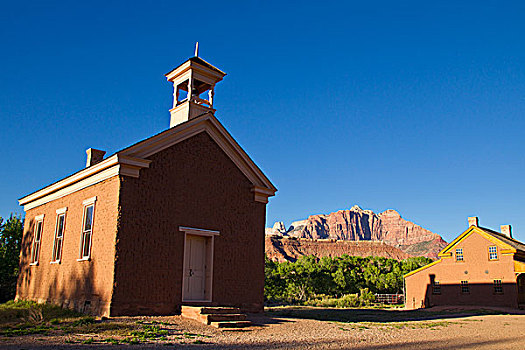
x=10, y=241
x=351, y=277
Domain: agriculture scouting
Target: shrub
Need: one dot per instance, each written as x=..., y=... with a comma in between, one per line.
x=32, y=312
x=366, y=297
x=348, y=300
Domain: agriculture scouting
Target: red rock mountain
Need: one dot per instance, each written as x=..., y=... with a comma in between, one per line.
x=357, y=224
x=290, y=248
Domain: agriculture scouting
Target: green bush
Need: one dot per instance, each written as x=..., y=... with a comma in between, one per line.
x=10, y=243
x=349, y=300
x=366, y=297
x=32, y=312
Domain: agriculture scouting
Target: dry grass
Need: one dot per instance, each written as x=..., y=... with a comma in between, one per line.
x=18, y=319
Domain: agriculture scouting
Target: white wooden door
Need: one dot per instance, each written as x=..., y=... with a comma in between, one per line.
x=195, y=268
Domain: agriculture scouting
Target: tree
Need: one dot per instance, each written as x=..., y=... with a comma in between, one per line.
x=342, y=276
x=10, y=241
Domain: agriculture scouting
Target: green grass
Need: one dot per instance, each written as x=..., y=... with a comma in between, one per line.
x=32, y=312
x=149, y=332
x=29, y=318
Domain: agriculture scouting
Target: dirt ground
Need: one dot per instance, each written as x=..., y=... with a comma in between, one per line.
x=314, y=328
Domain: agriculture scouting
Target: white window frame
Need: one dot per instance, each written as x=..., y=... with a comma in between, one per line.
x=86, y=204
x=460, y=250
x=39, y=219
x=495, y=252
x=54, y=258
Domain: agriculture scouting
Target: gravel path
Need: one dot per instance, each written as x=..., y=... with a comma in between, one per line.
x=474, y=332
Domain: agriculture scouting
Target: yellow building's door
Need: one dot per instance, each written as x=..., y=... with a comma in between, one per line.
x=195, y=268
x=521, y=288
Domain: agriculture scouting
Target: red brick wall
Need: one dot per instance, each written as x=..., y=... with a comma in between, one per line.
x=193, y=184
x=72, y=282
x=476, y=268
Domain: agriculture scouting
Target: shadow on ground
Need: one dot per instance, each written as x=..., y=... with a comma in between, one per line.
x=377, y=315
x=293, y=344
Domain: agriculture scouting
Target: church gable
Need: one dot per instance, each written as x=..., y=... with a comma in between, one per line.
x=262, y=187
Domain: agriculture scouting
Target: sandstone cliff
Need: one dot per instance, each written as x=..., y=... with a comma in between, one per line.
x=290, y=249
x=357, y=224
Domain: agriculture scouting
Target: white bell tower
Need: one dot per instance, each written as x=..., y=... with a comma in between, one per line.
x=193, y=88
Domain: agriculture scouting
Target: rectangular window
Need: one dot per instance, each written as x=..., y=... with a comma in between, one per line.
x=35, y=249
x=493, y=253
x=87, y=230
x=465, y=287
x=498, y=288
x=59, y=237
x=459, y=254
x=436, y=288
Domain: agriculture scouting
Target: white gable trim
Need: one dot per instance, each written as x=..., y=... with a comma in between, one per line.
x=129, y=162
x=262, y=189
x=113, y=166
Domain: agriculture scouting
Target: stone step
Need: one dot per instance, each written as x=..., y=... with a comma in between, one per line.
x=231, y=324
x=209, y=310
x=209, y=318
x=220, y=317
x=220, y=310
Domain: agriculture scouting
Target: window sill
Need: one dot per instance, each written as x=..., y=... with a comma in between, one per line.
x=55, y=262
x=84, y=259
x=33, y=264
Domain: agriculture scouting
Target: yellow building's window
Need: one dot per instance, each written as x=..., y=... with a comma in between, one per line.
x=459, y=254
x=465, y=289
x=498, y=287
x=493, y=253
x=436, y=288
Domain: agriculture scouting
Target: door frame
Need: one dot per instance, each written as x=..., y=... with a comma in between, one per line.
x=208, y=273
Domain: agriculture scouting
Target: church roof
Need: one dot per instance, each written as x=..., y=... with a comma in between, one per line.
x=135, y=157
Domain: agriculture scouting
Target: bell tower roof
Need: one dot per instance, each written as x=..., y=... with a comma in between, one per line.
x=193, y=89
x=199, y=61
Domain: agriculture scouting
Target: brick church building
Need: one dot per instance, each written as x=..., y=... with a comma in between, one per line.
x=177, y=218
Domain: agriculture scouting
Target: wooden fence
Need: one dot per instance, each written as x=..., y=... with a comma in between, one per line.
x=390, y=298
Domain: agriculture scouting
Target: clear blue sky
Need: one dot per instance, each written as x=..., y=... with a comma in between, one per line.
x=417, y=106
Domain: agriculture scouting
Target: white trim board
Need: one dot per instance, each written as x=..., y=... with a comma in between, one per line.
x=130, y=161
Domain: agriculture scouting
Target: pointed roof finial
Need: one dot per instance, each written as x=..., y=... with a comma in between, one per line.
x=197, y=49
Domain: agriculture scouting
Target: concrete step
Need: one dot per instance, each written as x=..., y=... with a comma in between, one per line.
x=220, y=317
x=209, y=318
x=231, y=324
x=210, y=310
x=220, y=310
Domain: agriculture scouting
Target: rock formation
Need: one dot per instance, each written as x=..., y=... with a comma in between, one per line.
x=290, y=249
x=277, y=229
x=357, y=224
